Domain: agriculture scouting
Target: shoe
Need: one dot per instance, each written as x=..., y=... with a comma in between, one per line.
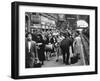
x=67, y=64
x=63, y=62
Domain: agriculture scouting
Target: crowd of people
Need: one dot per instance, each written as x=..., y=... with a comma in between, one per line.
x=42, y=45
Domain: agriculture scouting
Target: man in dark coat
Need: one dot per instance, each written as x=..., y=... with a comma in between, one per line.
x=30, y=51
x=65, y=45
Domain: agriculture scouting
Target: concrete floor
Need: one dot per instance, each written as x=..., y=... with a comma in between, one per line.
x=52, y=62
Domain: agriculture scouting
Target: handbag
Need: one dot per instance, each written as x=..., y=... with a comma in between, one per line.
x=49, y=46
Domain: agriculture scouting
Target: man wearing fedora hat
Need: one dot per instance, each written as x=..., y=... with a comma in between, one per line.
x=65, y=45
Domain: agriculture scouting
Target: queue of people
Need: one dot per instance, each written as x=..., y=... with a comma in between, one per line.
x=41, y=46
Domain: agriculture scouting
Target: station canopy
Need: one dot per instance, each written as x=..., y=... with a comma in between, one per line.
x=82, y=23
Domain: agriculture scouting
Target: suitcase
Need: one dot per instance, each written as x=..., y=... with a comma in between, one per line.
x=37, y=64
x=74, y=59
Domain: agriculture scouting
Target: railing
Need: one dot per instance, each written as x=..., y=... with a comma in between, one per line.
x=85, y=43
x=87, y=40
